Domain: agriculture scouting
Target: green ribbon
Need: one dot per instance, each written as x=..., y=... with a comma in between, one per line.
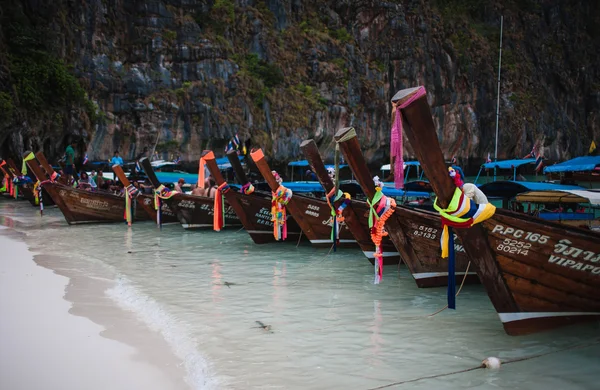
x=376, y=198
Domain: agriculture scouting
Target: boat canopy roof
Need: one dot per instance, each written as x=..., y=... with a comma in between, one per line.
x=304, y=163
x=578, y=164
x=508, y=164
x=223, y=162
x=510, y=188
x=564, y=196
x=387, y=167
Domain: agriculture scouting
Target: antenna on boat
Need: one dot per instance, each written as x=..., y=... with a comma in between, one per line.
x=498, y=98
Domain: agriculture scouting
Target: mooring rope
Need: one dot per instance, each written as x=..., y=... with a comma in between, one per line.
x=577, y=346
x=458, y=292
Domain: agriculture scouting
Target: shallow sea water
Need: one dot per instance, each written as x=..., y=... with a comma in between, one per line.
x=329, y=326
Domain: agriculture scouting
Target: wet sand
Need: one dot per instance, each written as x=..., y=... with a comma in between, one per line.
x=59, y=332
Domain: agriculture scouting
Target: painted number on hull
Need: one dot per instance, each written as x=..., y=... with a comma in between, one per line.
x=516, y=233
x=312, y=210
x=514, y=246
x=425, y=231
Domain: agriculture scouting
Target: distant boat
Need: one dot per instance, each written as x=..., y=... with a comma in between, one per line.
x=580, y=169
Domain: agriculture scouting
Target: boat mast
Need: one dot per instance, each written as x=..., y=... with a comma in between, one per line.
x=498, y=98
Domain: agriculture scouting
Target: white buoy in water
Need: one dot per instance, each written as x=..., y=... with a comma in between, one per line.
x=491, y=362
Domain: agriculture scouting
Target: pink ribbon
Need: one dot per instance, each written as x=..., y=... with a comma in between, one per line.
x=396, y=147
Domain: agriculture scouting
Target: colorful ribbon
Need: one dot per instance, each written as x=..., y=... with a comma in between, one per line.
x=396, y=147
x=201, y=166
x=336, y=214
x=247, y=188
x=219, y=207
x=281, y=198
x=30, y=156
x=380, y=209
x=462, y=212
x=130, y=192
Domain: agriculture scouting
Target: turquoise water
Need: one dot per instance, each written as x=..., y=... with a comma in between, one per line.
x=329, y=326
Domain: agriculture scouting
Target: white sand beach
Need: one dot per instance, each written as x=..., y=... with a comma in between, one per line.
x=50, y=339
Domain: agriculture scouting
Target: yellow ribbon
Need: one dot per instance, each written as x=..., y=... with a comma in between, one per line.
x=30, y=156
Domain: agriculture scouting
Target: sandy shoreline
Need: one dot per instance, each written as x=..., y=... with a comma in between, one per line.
x=59, y=330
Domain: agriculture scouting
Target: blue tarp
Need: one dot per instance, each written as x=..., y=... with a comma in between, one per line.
x=578, y=164
x=509, y=188
x=508, y=164
x=172, y=177
x=223, y=162
x=304, y=163
x=567, y=216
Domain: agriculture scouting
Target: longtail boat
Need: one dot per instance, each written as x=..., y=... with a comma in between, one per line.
x=147, y=202
x=252, y=207
x=312, y=215
x=82, y=206
x=355, y=213
x=414, y=232
x=8, y=179
x=25, y=189
x=538, y=274
x=193, y=211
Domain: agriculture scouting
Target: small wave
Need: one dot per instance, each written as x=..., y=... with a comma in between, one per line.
x=176, y=333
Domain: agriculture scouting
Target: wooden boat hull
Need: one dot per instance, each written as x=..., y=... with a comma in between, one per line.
x=318, y=223
x=196, y=212
x=258, y=215
x=147, y=203
x=27, y=192
x=548, y=278
x=81, y=206
x=421, y=230
x=538, y=274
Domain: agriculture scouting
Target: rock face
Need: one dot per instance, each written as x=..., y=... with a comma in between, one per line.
x=186, y=75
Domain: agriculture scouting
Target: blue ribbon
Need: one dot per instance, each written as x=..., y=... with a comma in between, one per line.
x=451, y=271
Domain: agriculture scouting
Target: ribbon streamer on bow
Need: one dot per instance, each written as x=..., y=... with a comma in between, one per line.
x=462, y=212
x=396, y=147
x=381, y=208
x=219, y=207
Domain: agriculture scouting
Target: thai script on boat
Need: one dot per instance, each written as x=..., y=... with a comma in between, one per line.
x=187, y=204
x=313, y=210
x=94, y=203
x=517, y=233
x=514, y=246
x=565, y=250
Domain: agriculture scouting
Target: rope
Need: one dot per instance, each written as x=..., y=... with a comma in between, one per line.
x=578, y=346
x=299, y=238
x=458, y=292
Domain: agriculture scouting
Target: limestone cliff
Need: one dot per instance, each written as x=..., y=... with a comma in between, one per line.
x=188, y=74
